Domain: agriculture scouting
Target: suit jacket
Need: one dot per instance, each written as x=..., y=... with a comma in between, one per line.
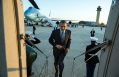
x=56, y=39
x=95, y=59
x=92, y=33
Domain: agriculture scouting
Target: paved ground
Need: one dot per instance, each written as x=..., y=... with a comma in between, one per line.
x=80, y=39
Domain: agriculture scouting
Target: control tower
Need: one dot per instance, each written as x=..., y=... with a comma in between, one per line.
x=98, y=15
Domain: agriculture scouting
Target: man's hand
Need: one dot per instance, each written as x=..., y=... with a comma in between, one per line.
x=59, y=46
x=67, y=50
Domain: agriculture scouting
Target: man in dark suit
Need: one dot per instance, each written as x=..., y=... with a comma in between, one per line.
x=60, y=39
x=34, y=28
x=92, y=32
x=55, y=28
x=91, y=64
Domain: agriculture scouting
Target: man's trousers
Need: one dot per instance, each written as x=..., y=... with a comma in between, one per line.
x=58, y=61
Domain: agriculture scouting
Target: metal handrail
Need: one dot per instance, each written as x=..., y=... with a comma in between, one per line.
x=100, y=45
x=45, y=66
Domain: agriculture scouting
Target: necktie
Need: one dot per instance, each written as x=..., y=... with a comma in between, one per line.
x=62, y=37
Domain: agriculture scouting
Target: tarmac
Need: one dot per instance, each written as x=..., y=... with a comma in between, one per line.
x=80, y=38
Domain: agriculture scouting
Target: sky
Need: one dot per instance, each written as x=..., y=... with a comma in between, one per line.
x=73, y=9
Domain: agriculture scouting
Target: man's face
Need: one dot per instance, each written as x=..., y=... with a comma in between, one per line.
x=63, y=26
